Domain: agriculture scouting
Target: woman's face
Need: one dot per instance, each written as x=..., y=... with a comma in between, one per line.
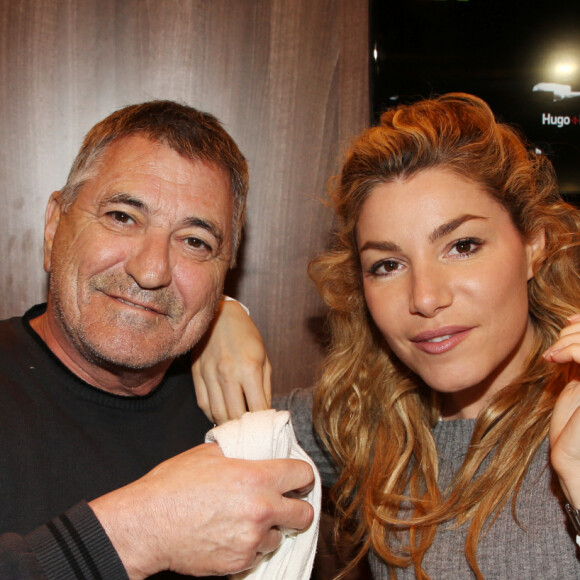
x=445, y=276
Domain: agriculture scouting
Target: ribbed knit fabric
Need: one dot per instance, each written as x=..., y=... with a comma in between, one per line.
x=84, y=549
x=542, y=548
x=299, y=403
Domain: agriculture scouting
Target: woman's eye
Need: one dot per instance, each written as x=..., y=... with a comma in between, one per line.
x=385, y=267
x=465, y=247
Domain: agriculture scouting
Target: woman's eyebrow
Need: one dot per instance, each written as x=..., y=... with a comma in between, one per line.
x=452, y=225
x=383, y=246
x=438, y=233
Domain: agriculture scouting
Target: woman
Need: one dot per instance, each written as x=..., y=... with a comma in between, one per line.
x=452, y=271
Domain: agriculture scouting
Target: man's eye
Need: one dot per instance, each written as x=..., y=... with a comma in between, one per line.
x=197, y=243
x=120, y=217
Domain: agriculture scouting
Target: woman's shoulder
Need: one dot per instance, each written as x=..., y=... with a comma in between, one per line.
x=299, y=402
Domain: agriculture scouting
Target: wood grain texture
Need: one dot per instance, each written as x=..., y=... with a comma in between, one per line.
x=289, y=79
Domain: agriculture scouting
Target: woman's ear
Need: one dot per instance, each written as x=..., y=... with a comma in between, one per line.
x=51, y=219
x=535, y=252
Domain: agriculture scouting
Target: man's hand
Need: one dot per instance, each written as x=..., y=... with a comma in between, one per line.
x=203, y=514
x=231, y=370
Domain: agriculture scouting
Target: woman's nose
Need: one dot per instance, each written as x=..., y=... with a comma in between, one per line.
x=430, y=290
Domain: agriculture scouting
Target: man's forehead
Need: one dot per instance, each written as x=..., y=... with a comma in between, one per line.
x=138, y=159
x=152, y=178
x=139, y=150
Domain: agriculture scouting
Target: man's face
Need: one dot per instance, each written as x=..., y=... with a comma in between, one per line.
x=137, y=263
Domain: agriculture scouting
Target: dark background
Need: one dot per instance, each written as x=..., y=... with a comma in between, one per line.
x=497, y=50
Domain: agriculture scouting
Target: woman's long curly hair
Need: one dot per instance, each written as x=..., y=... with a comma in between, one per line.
x=376, y=416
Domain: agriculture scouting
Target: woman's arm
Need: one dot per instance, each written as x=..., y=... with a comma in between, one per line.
x=565, y=423
x=231, y=370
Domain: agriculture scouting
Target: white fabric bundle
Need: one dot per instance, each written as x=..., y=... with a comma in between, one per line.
x=269, y=435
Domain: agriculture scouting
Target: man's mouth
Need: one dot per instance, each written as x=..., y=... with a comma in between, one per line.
x=133, y=304
x=158, y=302
x=153, y=308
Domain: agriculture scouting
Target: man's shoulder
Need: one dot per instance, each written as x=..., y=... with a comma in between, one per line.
x=18, y=341
x=11, y=329
x=18, y=326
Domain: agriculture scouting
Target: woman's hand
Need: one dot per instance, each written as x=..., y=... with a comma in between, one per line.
x=565, y=423
x=231, y=370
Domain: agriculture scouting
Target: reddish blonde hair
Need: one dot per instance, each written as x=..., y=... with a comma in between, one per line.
x=374, y=415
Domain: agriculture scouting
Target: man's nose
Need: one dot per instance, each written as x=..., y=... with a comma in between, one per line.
x=149, y=263
x=430, y=290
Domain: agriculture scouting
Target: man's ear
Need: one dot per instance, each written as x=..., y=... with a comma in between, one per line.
x=51, y=219
x=535, y=252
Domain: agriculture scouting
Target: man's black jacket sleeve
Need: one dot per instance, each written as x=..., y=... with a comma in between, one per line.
x=72, y=546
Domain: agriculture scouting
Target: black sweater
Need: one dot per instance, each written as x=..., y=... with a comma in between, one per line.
x=63, y=443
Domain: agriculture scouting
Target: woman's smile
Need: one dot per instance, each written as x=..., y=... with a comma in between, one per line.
x=441, y=340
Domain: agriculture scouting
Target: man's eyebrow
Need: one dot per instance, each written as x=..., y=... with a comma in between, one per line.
x=124, y=198
x=187, y=222
x=450, y=226
x=208, y=225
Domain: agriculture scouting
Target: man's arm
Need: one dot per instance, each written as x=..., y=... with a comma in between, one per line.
x=203, y=514
x=72, y=546
x=198, y=514
x=17, y=559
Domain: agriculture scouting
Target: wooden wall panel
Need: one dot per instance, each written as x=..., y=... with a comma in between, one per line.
x=287, y=78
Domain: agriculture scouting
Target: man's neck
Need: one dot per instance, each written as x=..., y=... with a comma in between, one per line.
x=116, y=380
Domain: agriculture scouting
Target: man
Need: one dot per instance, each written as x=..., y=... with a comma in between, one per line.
x=95, y=404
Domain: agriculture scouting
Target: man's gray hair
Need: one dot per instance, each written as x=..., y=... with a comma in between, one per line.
x=193, y=134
